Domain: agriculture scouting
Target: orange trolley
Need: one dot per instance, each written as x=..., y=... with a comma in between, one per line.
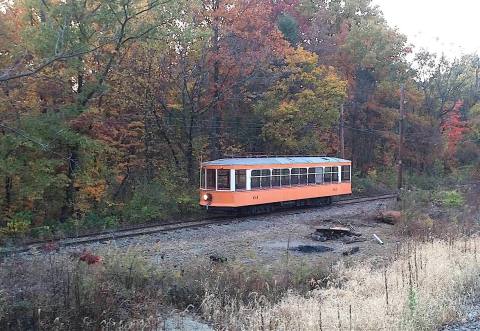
x=260, y=184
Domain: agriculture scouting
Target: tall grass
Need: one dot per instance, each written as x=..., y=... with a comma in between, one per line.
x=427, y=285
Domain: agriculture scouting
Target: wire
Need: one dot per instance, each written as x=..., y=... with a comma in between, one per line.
x=44, y=147
x=233, y=125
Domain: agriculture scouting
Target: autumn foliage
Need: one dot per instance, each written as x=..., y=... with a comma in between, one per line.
x=107, y=107
x=454, y=129
x=90, y=258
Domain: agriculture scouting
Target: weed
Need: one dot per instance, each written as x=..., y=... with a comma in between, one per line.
x=450, y=199
x=441, y=274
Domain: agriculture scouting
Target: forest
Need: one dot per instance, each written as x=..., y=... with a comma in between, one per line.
x=107, y=107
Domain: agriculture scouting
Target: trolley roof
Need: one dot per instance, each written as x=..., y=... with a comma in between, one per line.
x=274, y=160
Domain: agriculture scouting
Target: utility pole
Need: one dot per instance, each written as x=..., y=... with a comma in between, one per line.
x=342, y=137
x=401, y=138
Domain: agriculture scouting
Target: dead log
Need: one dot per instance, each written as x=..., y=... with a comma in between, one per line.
x=389, y=217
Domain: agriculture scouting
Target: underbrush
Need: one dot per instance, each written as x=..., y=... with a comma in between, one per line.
x=427, y=285
x=86, y=291
x=424, y=286
x=428, y=214
x=152, y=202
x=375, y=182
x=379, y=181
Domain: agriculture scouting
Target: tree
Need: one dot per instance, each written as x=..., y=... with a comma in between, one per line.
x=302, y=106
x=454, y=129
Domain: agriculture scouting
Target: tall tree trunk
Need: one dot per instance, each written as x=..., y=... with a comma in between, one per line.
x=189, y=155
x=147, y=139
x=215, y=131
x=8, y=191
x=68, y=207
x=341, y=133
x=8, y=185
x=80, y=83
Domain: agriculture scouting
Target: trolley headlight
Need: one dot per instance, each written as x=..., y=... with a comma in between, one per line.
x=207, y=197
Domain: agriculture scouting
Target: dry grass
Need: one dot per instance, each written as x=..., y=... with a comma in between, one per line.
x=125, y=290
x=427, y=285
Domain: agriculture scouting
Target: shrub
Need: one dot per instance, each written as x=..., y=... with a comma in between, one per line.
x=99, y=222
x=159, y=201
x=376, y=182
x=85, y=289
x=77, y=292
x=450, y=199
x=149, y=202
x=19, y=224
x=41, y=232
x=429, y=214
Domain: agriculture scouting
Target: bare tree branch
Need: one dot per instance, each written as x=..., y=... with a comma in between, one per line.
x=8, y=75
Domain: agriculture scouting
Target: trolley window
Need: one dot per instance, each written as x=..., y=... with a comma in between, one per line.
x=202, y=178
x=285, y=177
x=295, y=176
x=255, y=179
x=330, y=175
x=261, y=178
x=211, y=179
x=303, y=176
x=223, y=179
x=240, y=180
x=299, y=176
x=346, y=173
x=276, y=177
x=315, y=175
x=265, y=181
x=335, y=174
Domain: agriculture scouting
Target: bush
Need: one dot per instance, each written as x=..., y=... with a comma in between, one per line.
x=376, y=182
x=41, y=232
x=159, y=201
x=19, y=224
x=99, y=222
x=74, y=293
x=429, y=214
x=450, y=199
x=149, y=202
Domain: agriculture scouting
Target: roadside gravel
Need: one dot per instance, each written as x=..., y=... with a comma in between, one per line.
x=260, y=239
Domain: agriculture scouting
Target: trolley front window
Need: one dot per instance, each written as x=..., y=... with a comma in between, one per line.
x=223, y=178
x=211, y=179
x=202, y=178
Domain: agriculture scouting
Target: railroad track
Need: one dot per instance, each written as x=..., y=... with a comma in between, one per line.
x=152, y=229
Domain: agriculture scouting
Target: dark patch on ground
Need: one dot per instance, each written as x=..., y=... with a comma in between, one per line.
x=311, y=249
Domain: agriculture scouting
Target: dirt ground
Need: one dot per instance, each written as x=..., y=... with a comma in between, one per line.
x=263, y=240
